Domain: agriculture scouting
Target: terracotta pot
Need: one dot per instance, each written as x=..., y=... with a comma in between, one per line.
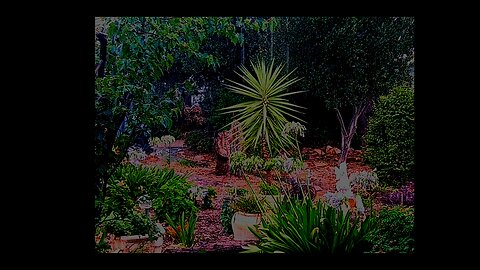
x=240, y=223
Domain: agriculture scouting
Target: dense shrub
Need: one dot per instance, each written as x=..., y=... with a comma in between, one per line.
x=200, y=141
x=390, y=137
x=169, y=193
x=173, y=198
x=132, y=224
x=395, y=230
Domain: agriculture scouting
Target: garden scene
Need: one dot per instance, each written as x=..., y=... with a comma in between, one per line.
x=254, y=135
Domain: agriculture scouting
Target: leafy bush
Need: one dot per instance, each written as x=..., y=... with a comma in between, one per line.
x=172, y=198
x=300, y=226
x=130, y=182
x=390, y=137
x=183, y=231
x=395, y=231
x=132, y=224
x=200, y=141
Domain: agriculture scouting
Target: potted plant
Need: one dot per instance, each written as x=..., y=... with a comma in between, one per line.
x=247, y=214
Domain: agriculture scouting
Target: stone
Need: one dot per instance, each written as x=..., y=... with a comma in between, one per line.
x=319, y=152
x=332, y=150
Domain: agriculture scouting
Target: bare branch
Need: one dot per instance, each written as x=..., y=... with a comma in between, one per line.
x=340, y=119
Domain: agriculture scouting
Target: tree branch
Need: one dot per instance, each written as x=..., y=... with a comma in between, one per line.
x=340, y=119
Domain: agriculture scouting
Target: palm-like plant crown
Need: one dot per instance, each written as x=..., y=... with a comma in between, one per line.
x=263, y=116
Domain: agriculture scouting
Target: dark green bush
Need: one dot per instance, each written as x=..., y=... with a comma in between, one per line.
x=226, y=216
x=395, y=230
x=169, y=193
x=173, y=198
x=200, y=141
x=390, y=137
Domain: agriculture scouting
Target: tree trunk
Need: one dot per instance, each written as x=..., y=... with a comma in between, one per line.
x=222, y=153
x=100, y=67
x=347, y=133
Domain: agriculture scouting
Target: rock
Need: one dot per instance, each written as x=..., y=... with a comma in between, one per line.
x=198, y=159
x=332, y=150
x=319, y=152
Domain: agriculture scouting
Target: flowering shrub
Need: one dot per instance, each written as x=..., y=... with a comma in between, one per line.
x=344, y=198
x=135, y=155
x=405, y=195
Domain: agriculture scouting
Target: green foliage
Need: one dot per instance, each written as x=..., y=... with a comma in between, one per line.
x=134, y=223
x=237, y=192
x=102, y=246
x=240, y=163
x=300, y=226
x=173, y=198
x=226, y=216
x=395, y=230
x=203, y=196
x=184, y=229
x=263, y=116
x=187, y=162
x=268, y=189
x=247, y=203
x=390, y=137
x=349, y=59
x=130, y=182
x=134, y=95
x=200, y=141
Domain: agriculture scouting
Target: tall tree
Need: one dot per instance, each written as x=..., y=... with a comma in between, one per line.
x=350, y=61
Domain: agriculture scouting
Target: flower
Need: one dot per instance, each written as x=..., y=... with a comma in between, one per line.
x=360, y=206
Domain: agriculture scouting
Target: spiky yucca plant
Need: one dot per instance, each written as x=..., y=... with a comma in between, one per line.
x=262, y=118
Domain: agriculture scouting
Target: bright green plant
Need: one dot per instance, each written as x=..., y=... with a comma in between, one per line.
x=134, y=223
x=390, y=137
x=247, y=203
x=183, y=231
x=395, y=231
x=300, y=226
x=226, y=216
x=172, y=198
x=268, y=189
x=263, y=117
x=168, y=190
